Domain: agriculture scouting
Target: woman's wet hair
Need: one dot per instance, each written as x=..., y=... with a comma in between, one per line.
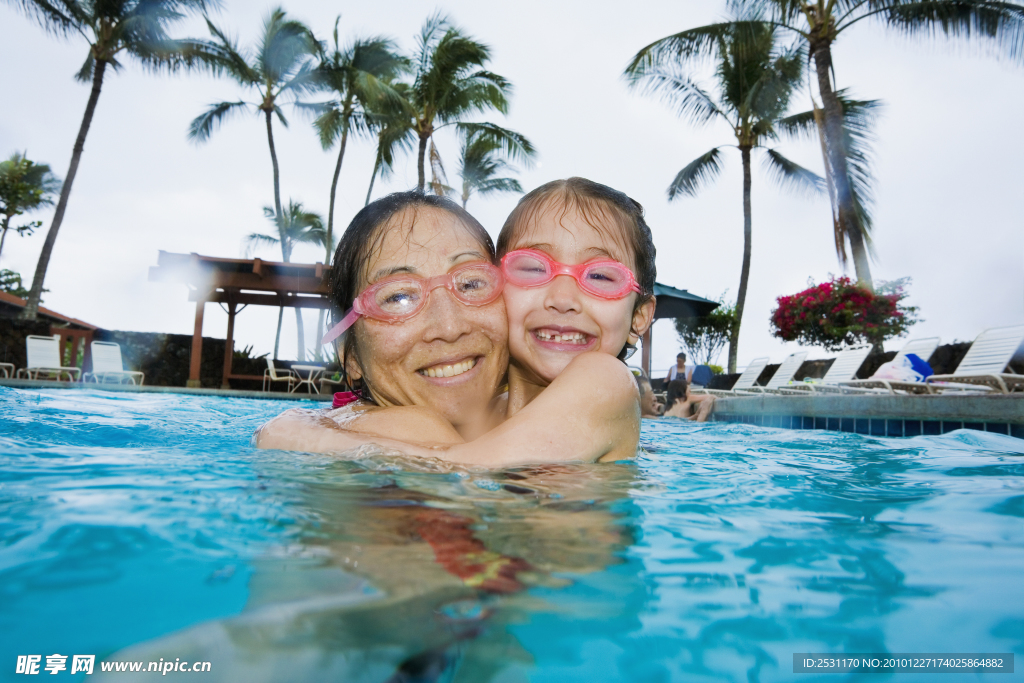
x=364, y=237
x=676, y=392
x=592, y=201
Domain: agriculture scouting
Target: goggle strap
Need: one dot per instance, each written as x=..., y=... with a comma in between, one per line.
x=348, y=321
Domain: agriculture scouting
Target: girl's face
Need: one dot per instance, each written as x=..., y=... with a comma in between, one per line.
x=552, y=324
x=450, y=356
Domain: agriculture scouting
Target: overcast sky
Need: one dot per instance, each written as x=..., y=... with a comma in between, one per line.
x=950, y=160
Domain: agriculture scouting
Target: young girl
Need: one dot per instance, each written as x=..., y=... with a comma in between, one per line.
x=578, y=263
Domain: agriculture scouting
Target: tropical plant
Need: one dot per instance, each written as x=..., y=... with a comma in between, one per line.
x=479, y=163
x=755, y=78
x=11, y=283
x=841, y=312
x=817, y=24
x=295, y=225
x=450, y=83
x=280, y=65
x=392, y=120
x=704, y=337
x=137, y=28
x=360, y=75
x=24, y=186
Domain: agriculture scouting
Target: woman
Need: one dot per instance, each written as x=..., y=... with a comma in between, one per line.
x=429, y=378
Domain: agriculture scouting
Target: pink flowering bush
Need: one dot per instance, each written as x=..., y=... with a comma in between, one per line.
x=841, y=312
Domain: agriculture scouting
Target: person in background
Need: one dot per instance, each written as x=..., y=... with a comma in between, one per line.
x=681, y=403
x=680, y=370
x=649, y=405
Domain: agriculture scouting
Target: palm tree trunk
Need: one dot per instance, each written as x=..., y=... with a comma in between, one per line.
x=334, y=189
x=36, y=292
x=273, y=158
x=848, y=218
x=3, y=236
x=376, y=167
x=319, y=334
x=301, y=355
x=277, y=337
x=741, y=295
x=422, y=178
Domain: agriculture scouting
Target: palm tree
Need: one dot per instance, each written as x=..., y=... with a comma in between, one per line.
x=360, y=75
x=479, y=164
x=137, y=28
x=392, y=119
x=451, y=83
x=816, y=25
x=293, y=226
x=24, y=186
x=279, y=65
x=756, y=79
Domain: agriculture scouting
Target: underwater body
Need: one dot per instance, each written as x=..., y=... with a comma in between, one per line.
x=145, y=527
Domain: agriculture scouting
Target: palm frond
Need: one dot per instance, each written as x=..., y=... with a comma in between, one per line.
x=999, y=24
x=59, y=18
x=203, y=125
x=681, y=93
x=699, y=172
x=438, y=178
x=792, y=176
x=511, y=144
x=693, y=45
x=802, y=125
x=492, y=185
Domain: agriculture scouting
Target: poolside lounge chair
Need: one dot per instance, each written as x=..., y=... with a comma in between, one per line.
x=745, y=381
x=984, y=366
x=107, y=365
x=782, y=376
x=922, y=348
x=272, y=374
x=44, y=359
x=7, y=369
x=845, y=367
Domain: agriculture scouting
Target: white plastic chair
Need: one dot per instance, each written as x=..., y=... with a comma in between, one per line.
x=922, y=348
x=745, y=381
x=985, y=363
x=844, y=368
x=44, y=359
x=107, y=365
x=7, y=369
x=782, y=376
x=272, y=374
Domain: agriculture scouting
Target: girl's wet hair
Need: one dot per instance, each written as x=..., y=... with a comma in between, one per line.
x=364, y=237
x=592, y=201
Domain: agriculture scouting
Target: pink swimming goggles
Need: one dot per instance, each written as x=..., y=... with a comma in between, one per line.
x=400, y=297
x=605, y=279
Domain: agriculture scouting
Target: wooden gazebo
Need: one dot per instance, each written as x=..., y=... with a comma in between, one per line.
x=237, y=283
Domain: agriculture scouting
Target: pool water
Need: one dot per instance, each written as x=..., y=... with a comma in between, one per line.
x=145, y=526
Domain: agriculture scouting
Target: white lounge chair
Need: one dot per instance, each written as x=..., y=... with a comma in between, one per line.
x=107, y=365
x=745, y=381
x=782, y=376
x=272, y=374
x=44, y=360
x=922, y=348
x=984, y=366
x=845, y=367
x=7, y=369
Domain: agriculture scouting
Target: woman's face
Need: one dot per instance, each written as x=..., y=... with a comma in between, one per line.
x=552, y=324
x=465, y=347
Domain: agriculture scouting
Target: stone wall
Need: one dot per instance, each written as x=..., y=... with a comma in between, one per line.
x=12, y=338
x=165, y=358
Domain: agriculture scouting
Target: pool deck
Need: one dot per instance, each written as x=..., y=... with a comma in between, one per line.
x=885, y=415
x=131, y=389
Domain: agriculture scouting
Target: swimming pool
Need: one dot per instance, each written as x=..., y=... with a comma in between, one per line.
x=145, y=527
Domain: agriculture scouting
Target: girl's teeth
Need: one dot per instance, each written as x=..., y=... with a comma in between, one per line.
x=449, y=370
x=572, y=338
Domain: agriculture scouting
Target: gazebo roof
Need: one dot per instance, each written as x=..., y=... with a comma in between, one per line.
x=245, y=281
x=679, y=303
